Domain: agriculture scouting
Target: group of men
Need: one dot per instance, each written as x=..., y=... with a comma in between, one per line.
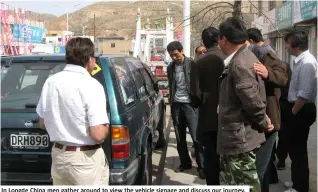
x=233, y=99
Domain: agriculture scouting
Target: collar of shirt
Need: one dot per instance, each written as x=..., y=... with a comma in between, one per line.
x=76, y=69
x=229, y=58
x=301, y=56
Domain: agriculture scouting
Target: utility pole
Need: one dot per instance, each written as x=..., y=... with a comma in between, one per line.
x=67, y=20
x=138, y=34
x=94, y=28
x=186, y=28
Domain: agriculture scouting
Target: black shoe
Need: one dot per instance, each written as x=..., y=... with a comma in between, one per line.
x=201, y=174
x=281, y=165
x=182, y=168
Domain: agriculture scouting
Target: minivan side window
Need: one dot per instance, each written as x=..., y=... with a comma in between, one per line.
x=135, y=66
x=149, y=84
x=124, y=80
x=140, y=84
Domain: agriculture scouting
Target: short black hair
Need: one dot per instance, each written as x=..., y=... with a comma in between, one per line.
x=210, y=37
x=79, y=50
x=297, y=39
x=174, y=45
x=255, y=34
x=196, y=49
x=234, y=30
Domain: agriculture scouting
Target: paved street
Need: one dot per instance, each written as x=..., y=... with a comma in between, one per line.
x=166, y=160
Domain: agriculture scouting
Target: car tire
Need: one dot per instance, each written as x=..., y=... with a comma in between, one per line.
x=145, y=174
x=162, y=141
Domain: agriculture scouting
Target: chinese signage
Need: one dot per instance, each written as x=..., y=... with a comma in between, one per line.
x=304, y=10
x=27, y=33
x=284, y=15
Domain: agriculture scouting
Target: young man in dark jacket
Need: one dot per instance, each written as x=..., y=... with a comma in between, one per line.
x=204, y=84
x=183, y=107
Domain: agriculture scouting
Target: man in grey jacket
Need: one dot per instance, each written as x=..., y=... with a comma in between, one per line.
x=242, y=109
x=183, y=108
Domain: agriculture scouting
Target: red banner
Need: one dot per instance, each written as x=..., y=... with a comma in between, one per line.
x=179, y=36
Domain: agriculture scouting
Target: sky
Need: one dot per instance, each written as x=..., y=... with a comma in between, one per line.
x=48, y=6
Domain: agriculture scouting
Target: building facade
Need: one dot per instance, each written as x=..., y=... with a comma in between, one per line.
x=286, y=16
x=114, y=45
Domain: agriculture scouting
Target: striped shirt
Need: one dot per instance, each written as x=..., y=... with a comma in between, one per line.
x=304, y=78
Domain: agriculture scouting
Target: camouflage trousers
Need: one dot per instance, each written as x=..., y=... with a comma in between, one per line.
x=239, y=170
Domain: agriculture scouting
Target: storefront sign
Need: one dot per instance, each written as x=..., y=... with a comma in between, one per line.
x=28, y=33
x=284, y=15
x=304, y=10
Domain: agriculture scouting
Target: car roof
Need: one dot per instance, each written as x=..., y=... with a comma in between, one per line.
x=53, y=57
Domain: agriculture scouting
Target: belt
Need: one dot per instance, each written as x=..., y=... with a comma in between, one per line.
x=74, y=148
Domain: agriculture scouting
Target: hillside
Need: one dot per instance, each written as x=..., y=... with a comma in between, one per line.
x=119, y=18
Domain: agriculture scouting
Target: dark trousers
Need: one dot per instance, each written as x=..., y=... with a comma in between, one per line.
x=282, y=149
x=297, y=136
x=185, y=115
x=263, y=159
x=271, y=171
x=211, y=158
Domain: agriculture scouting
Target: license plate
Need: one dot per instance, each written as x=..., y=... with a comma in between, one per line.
x=29, y=141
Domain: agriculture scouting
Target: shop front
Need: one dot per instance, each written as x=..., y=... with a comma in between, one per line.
x=305, y=19
x=284, y=24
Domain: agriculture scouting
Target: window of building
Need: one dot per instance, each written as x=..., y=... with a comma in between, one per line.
x=112, y=45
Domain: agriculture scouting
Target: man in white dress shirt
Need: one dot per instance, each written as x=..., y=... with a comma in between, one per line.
x=72, y=109
x=301, y=108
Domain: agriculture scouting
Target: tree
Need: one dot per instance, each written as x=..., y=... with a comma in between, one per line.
x=237, y=11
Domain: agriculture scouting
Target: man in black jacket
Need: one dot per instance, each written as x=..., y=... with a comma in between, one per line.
x=183, y=107
x=205, y=77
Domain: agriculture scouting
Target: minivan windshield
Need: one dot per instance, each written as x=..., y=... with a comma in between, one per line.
x=22, y=82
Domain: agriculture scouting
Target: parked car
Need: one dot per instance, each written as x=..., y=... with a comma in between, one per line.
x=135, y=109
x=156, y=58
x=160, y=73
